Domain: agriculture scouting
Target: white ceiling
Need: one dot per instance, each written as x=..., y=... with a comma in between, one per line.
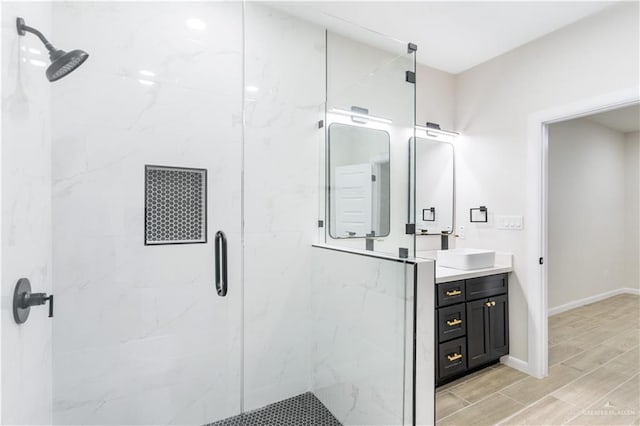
x=624, y=120
x=451, y=36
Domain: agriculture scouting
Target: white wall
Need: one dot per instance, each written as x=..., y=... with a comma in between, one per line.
x=26, y=214
x=435, y=97
x=592, y=57
x=632, y=210
x=586, y=211
x=435, y=103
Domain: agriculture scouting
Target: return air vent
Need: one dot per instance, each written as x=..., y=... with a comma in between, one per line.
x=175, y=205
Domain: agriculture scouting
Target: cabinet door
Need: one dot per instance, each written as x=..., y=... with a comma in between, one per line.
x=478, y=344
x=499, y=326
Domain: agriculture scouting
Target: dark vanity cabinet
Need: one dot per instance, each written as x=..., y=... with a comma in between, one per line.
x=472, y=325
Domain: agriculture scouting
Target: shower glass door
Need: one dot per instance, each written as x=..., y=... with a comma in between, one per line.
x=147, y=147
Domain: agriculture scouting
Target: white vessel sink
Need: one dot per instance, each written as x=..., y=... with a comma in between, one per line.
x=466, y=258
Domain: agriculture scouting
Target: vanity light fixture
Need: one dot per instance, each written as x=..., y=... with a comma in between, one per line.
x=360, y=115
x=434, y=131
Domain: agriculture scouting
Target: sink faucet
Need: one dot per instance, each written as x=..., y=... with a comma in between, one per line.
x=444, y=241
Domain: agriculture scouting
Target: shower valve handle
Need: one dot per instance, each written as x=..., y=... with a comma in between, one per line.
x=24, y=299
x=35, y=299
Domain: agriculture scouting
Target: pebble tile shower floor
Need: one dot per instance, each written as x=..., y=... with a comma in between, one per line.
x=301, y=410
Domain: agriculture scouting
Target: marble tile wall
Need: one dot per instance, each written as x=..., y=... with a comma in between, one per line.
x=140, y=335
x=25, y=214
x=285, y=83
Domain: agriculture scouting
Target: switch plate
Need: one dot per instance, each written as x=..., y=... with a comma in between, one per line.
x=509, y=222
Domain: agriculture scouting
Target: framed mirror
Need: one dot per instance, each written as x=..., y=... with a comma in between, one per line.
x=435, y=187
x=358, y=194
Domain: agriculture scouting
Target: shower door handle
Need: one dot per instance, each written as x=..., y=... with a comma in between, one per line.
x=221, y=263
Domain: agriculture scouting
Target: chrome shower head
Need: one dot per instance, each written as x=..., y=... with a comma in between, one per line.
x=62, y=63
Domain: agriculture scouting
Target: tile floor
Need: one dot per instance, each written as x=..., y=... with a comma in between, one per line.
x=594, y=365
x=301, y=410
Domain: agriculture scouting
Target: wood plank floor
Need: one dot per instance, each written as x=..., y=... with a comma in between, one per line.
x=594, y=366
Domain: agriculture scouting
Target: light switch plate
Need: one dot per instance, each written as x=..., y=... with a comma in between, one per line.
x=509, y=222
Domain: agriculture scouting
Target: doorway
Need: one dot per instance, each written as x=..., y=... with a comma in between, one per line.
x=537, y=237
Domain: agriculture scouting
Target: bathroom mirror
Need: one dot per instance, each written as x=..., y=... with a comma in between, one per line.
x=359, y=181
x=435, y=186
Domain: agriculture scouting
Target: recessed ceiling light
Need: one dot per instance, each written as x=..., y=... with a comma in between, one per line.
x=252, y=89
x=147, y=73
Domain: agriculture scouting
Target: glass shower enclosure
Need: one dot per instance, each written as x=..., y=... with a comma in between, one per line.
x=167, y=193
x=370, y=114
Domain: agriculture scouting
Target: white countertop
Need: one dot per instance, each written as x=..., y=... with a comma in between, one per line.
x=503, y=263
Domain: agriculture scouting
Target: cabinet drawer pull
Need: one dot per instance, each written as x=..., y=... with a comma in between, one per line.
x=454, y=293
x=454, y=322
x=454, y=357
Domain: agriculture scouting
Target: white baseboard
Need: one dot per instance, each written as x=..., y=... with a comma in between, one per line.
x=515, y=363
x=591, y=299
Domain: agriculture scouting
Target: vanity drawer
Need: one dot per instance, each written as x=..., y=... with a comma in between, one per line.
x=452, y=358
x=481, y=287
x=450, y=293
x=452, y=322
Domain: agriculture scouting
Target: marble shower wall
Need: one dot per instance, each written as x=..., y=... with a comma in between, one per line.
x=140, y=335
x=285, y=80
x=26, y=214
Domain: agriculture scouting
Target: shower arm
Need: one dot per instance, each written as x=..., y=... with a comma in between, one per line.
x=23, y=29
